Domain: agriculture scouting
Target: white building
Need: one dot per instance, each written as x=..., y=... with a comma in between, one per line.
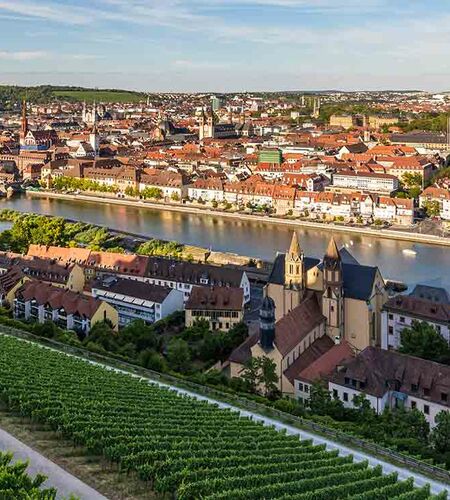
x=389, y=379
x=400, y=311
x=366, y=181
x=137, y=300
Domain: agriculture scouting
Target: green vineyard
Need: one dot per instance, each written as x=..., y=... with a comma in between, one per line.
x=181, y=446
x=16, y=484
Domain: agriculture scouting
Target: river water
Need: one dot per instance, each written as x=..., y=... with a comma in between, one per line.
x=430, y=265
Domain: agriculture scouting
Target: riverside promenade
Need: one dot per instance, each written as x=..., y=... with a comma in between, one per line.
x=392, y=234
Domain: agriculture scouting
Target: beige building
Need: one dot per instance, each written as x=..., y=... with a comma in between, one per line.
x=351, y=295
x=222, y=307
x=309, y=307
x=344, y=121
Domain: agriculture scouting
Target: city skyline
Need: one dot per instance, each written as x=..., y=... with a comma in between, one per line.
x=233, y=45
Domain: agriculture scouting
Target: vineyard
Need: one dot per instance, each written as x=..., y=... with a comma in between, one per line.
x=179, y=445
x=15, y=482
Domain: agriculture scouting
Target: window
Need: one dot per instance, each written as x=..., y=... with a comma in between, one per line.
x=426, y=409
x=414, y=387
x=426, y=392
x=391, y=330
x=391, y=316
x=345, y=396
x=306, y=388
x=335, y=393
x=300, y=386
x=444, y=396
x=402, y=319
x=347, y=381
x=413, y=405
x=353, y=382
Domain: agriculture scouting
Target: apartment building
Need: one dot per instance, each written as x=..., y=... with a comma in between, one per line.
x=389, y=379
x=135, y=300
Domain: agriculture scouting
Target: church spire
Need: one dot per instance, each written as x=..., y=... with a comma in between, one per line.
x=294, y=250
x=294, y=265
x=332, y=250
x=24, y=124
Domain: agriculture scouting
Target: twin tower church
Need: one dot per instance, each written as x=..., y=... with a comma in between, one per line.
x=311, y=305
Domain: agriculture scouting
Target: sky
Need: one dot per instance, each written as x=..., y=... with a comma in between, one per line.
x=227, y=45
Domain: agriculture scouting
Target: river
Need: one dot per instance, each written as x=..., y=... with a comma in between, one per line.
x=430, y=265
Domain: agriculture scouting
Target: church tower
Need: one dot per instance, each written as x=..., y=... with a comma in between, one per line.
x=24, y=123
x=333, y=295
x=294, y=265
x=201, y=126
x=94, y=140
x=210, y=122
x=267, y=323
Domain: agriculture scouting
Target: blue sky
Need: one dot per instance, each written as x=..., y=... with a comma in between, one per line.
x=227, y=45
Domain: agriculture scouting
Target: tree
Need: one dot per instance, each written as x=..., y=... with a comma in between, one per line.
x=432, y=208
x=412, y=179
x=319, y=398
x=175, y=196
x=250, y=374
x=422, y=340
x=178, y=355
x=440, y=437
x=268, y=376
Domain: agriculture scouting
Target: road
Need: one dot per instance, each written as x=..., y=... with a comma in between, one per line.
x=65, y=483
x=403, y=473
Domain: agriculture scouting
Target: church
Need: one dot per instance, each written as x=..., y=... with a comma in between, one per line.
x=313, y=308
x=209, y=128
x=34, y=140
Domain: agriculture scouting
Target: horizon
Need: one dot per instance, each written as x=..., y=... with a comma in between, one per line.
x=226, y=45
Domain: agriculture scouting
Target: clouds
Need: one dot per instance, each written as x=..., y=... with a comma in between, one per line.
x=22, y=55
x=212, y=43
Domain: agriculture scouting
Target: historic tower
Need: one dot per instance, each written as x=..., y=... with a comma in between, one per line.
x=267, y=323
x=294, y=276
x=294, y=266
x=333, y=296
x=24, y=123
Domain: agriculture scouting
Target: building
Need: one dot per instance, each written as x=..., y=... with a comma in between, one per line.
x=350, y=295
x=185, y=276
x=422, y=140
x=210, y=129
x=345, y=121
x=389, y=379
x=364, y=181
x=283, y=341
x=221, y=307
x=135, y=300
x=401, y=311
x=38, y=301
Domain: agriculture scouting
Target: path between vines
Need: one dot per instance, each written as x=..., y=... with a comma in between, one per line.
x=63, y=481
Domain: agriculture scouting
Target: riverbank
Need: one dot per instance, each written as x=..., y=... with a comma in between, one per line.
x=378, y=233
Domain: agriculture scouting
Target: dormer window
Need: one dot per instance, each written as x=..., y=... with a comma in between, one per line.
x=426, y=392
x=414, y=388
x=444, y=397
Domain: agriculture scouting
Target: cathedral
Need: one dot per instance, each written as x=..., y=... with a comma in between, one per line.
x=311, y=305
x=209, y=128
x=34, y=140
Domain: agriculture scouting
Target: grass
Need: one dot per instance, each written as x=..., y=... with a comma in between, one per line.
x=91, y=469
x=101, y=95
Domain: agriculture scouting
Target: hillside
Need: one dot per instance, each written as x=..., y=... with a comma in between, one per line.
x=11, y=96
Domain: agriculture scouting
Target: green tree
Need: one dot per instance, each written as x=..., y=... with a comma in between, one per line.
x=422, y=340
x=178, y=355
x=250, y=374
x=440, y=437
x=319, y=398
x=432, y=208
x=409, y=179
x=268, y=376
